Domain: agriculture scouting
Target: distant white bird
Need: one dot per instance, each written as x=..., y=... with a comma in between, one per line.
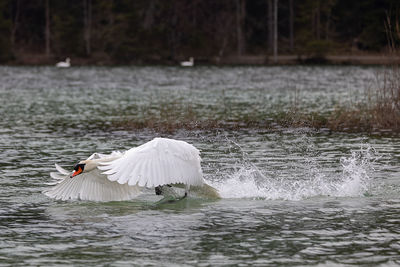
x=189, y=63
x=64, y=64
x=118, y=176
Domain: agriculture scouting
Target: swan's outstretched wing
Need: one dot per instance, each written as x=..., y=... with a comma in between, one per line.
x=158, y=162
x=92, y=186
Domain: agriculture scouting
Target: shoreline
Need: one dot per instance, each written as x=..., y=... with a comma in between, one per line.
x=255, y=60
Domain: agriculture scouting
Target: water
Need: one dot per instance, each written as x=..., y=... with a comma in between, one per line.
x=290, y=196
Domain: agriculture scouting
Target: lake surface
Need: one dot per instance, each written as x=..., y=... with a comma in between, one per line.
x=289, y=196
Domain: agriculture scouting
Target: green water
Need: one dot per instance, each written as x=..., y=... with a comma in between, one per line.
x=289, y=196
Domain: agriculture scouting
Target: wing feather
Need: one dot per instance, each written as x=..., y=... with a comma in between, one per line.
x=62, y=170
x=135, y=169
x=160, y=161
x=92, y=186
x=124, y=175
x=157, y=171
x=57, y=176
x=67, y=191
x=75, y=188
x=142, y=179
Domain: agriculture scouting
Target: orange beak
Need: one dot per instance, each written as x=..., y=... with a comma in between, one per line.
x=78, y=171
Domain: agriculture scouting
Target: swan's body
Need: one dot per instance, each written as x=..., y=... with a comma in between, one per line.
x=189, y=63
x=64, y=64
x=119, y=176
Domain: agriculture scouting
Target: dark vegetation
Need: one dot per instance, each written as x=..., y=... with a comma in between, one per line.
x=158, y=31
x=380, y=111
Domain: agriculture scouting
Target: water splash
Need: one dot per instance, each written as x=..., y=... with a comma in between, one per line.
x=351, y=179
x=356, y=172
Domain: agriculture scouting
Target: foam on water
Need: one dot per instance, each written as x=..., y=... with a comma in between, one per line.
x=352, y=179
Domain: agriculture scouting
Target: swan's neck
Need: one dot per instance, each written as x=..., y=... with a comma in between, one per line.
x=91, y=164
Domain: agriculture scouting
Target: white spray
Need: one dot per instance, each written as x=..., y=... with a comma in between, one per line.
x=248, y=181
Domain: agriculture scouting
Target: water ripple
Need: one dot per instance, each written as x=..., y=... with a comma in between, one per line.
x=291, y=196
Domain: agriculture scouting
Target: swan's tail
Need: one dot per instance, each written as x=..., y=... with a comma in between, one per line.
x=205, y=191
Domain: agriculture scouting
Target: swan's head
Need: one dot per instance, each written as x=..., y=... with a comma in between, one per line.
x=67, y=60
x=78, y=169
x=84, y=166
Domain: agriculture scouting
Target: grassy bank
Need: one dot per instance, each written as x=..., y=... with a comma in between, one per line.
x=380, y=110
x=380, y=113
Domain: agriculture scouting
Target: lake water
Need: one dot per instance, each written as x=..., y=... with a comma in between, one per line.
x=289, y=196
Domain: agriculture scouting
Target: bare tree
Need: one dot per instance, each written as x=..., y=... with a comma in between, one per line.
x=328, y=13
x=87, y=20
x=270, y=26
x=173, y=37
x=223, y=31
x=15, y=23
x=240, y=18
x=291, y=22
x=318, y=20
x=149, y=15
x=275, y=31
x=47, y=28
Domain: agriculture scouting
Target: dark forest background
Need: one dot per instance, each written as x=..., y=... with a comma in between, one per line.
x=162, y=31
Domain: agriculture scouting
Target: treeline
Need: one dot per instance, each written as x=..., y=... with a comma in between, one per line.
x=134, y=31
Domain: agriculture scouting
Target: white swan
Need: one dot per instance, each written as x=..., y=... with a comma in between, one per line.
x=189, y=63
x=64, y=64
x=119, y=176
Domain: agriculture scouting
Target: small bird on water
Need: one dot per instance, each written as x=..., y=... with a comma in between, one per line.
x=64, y=64
x=189, y=63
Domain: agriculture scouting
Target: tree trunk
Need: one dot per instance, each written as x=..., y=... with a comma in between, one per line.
x=149, y=16
x=173, y=34
x=327, y=26
x=240, y=17
x=318, y=22
x=291, y=16
x=47, y=29
x=15, y=24
x=111, y=14
x=87, y=20
x=270, y=26
x=243, y=17
x=275, y=31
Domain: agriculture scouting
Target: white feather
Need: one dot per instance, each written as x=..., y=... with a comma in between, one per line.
x=52, y=183
x=92, y=186
x=57, y=176
x=62, y=170
x=160, y=161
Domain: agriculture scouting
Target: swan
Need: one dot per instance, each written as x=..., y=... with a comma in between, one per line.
x=164, y=164
x=64, y=64
x=189, y=63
